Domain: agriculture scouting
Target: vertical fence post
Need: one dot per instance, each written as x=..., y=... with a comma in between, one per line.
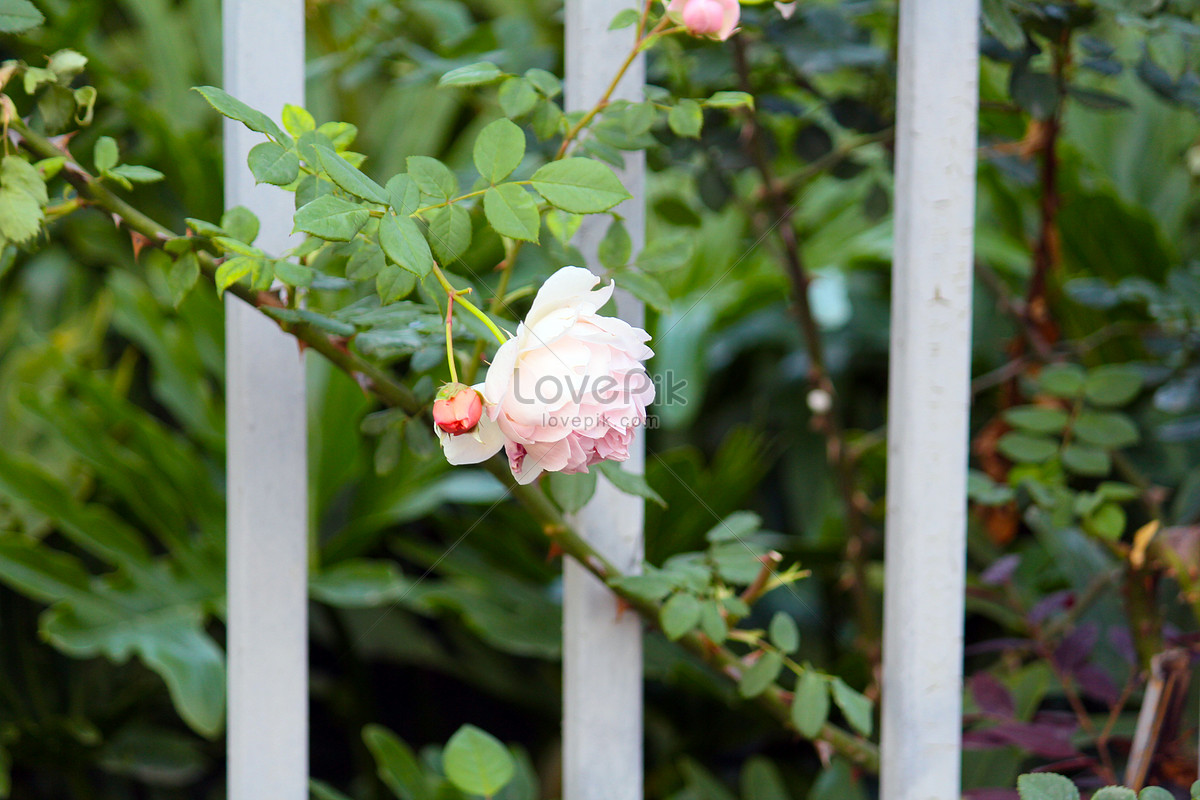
x=602, y=649
x=267, y=474
x=929, y=395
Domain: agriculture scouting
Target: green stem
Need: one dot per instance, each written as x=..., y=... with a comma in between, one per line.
x=456, y=294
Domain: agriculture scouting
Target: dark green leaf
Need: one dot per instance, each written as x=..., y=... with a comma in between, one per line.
x=350, y=179
x=499, y=149
x=404, y=245
x=645, y=288
x=1111, y=430
x=572, y=492
x=1037, y=419
x=272, y=164
x=449, y=232
x=735, y=527
x=358, y=583
x=396, y=765
x=1112, y=385
x=1026, y=448
x=629, y=482
x=432, y=177
x=365, y=264
x=1084, y=460
x=1107, y=522
x=712, y=621
x=579, y=185
x=1115, y=793
x=512, y=212
x=239, y=222
x=760, y=780
x=616, y=247
x=231, y=107
x=761, y=674
x=182, y=276
x=1155, y=793
x=1094, y=98
x=332, y=218
x=404, y=194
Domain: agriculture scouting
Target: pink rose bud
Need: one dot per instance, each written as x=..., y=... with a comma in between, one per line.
x=457, y=408
x=707, y=17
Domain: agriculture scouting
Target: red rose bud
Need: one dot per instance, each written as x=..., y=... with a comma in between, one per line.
x=457, y=408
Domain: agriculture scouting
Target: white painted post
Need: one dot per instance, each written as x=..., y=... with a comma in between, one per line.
x=267, y=442
x=602, y=649
x=929, y=399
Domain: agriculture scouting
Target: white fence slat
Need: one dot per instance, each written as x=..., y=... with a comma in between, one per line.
x=602, y=654
x=929, y=398
x=266, y=429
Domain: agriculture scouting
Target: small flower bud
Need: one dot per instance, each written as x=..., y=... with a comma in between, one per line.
x=457, y=408
x=716, y=18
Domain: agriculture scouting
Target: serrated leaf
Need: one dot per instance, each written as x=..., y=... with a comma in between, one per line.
x=760, y=675
x=432, y=177
x=1155, y=793
x=229, y=106
x=271, y=163
x=498, y=150
x=572, y=492
x=233, y=270
x=291, y=273
x=404, y=195
x=1046, y=786
x=365, y=264
x=579, y=185
x=17, y=173
x=404, y=245
x=645, y=288
x=449, y=232
x=476, y=762
x=1115, y=793
x=350, y=179
x=679, y=615
x=511, y=211
x=478, y=74
x=810, y=705
x=783, y=632
x=20, y=215
x=629, y=482
x=104, y=154
x=686, y=118
x=331, y=218
x=18, y=16
x=855, y=707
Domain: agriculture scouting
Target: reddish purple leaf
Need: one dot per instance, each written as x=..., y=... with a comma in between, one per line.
x=1001, y=570
x=1122, y=641
x=1048, y=741
x=1052, y=603
x=1096, y=684
x=994, y=645
x=991, y=695
x=1076, y=647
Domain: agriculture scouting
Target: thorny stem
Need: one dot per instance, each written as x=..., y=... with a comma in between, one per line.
x=775, y=700
x=837, y=452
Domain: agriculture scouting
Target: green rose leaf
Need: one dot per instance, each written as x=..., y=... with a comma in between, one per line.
x=432, y=177
x=239, y=222
x=20, y=215
x=136, y=173
x=104, y=153
x=479, y=74
x=18, y=16
x=686, y=118
x=1112, y=385
x=396, y=764
x=476, y=762
x=810, y=705
x=182, y=277
x=499, y=149
x=1027, y=449
x=403, y=244
x=1115, y=793
x=404, y=195
x=331, y=218
x=645, y=288
x=229, y=106
x=365, y=264
x=297, y=121
x=735, y=527
x=512, y=212
x=1108, y=429
x=679, y=615
x=449, y=232
x=579, y=185
x=1037, y=419
x=350, y=179
x=517, y=97
x=783, y=632
x=1062, y=380
x=712, y=622
x=616, y=247
x=760, y=675
x=855, y=707
x=394, y=283
x=730, y=100
x=17, y=173
x=1085, y=460
x=272, y=164
x=1046, y=786
x=629, y=483
x=572, y=492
